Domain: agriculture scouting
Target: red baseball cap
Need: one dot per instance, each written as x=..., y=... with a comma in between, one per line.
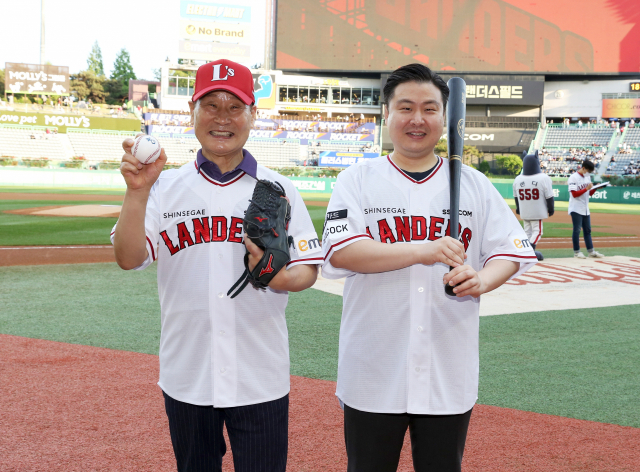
x=225, y=75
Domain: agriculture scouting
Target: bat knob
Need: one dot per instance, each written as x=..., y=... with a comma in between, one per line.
x=448, y=289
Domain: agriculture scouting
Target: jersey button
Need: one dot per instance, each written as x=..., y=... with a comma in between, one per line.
x=417, y=369
x=420, y=329
x=221, y=333
x=420, y=289
x=218, y=191
x=220, y=295
x=223, y=370
x=219, y=256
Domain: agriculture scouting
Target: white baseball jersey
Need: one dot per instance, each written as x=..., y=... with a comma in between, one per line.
x=577, y=182
x=215, y=350
x=405, y=346
x=532, y=192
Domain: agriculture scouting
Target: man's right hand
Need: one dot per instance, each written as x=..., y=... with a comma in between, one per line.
x=140, y=176
x=446, y=250
x=589, y=186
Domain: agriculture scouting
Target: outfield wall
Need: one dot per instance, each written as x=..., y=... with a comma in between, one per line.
x=112, y=179
x=561, y=193
x=64, y=121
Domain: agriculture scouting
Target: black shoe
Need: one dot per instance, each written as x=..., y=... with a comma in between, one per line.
x=539, y=256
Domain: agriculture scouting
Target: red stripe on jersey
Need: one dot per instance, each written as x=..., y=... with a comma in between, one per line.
x=510, y=255
x=153, y=254
x=210, y=180
x=345, y=240
x=539, y=232
x=438, y=165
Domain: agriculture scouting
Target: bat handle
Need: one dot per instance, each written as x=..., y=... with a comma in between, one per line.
x=448, y=289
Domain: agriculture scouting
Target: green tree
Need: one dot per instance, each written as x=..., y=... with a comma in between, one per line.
x=118, y=85
x=118, y=91
x=468, y=152
x=2, y=82
x=122, y=68
x=510, y=163
x=484, y=167
x=89, y=86
x=94, y=61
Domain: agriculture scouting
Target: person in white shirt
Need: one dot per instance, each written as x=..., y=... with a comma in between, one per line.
x=408, y=355
x=223, y=361
x=580, y=189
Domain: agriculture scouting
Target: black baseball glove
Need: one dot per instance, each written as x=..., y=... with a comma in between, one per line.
x=266, y=222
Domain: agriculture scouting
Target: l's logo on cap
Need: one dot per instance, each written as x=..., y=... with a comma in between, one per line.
x=216, y=72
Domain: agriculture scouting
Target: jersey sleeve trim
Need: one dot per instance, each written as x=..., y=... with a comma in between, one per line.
x=308, y=260
x=153, y=253
x=510, y=255
x=332, y=248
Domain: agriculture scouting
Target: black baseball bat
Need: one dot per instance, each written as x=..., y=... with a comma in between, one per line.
x=456, y=111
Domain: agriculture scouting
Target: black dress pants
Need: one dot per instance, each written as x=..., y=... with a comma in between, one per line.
x=258, y=435
x=374, y=440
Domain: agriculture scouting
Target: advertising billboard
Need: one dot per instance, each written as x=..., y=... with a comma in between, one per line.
x=210, y=31
x=36, y=79
x=62, y=122
x=210, y=51
x=620, y=108
x=546, y=36
x=215, y=12
x=214, y=31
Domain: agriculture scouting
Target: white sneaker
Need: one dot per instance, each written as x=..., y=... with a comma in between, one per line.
x=595, y=254
x=579, y=255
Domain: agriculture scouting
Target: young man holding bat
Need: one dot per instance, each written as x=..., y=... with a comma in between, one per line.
x=409, y=353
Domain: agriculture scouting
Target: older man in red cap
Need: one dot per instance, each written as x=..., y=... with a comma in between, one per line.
x=223, y=361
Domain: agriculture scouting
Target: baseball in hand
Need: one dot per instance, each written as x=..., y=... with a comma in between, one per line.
x=146, y=149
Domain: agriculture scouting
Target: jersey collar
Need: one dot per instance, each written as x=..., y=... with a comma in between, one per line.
x=211, y=172
x=435, y=169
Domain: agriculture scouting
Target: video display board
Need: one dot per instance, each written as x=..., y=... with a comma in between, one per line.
x=546, y=36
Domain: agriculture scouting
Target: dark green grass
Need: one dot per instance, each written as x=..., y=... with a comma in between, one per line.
x=607, y=251
x=575, y=363
x=317, y=217
x=31, y=230
x=92, y=304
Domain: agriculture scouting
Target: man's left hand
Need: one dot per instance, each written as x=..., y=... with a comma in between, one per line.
x=468, y=281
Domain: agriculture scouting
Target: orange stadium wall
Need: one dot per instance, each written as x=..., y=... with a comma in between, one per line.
x=546, y=36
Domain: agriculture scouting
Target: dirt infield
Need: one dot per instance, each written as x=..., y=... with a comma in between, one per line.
x=41, y=255
x=79, y=408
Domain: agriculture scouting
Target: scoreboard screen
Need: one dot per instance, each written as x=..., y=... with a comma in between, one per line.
x=513, y=36
x=635, y=86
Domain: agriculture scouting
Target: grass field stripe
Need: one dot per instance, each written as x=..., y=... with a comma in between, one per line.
x=22, y=248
